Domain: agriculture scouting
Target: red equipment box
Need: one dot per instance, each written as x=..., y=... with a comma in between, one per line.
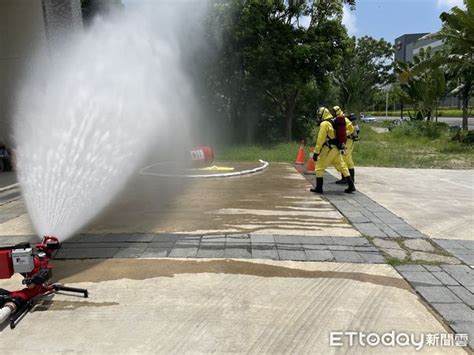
x=6, y=264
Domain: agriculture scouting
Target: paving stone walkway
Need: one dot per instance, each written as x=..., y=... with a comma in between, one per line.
x=461, y=249
x=366, y=215
x=241, y=246
x=449, y=290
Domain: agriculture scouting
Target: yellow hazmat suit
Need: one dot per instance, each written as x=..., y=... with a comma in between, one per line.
x=348, y=156
x=328, y=153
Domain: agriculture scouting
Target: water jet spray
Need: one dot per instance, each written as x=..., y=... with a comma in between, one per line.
x=33, y=263
x=87, y=118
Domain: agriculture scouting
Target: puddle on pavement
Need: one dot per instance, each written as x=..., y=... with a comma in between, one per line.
x=75, y=271
x=260, y=203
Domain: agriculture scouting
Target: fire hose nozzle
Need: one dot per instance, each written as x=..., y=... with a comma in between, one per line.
x=51, y=242
x=6, y=311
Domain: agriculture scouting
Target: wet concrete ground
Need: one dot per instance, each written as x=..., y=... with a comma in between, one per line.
x=181, y=306
x=222, y=305
x=7, y=178
x=275, y=201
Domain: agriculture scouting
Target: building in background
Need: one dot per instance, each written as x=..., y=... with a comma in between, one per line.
x=409, y=45
x=404, y=46
x=424, y=43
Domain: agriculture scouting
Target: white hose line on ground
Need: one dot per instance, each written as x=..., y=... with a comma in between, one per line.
x=4, y=314
x=207, y=176
x=9, y=187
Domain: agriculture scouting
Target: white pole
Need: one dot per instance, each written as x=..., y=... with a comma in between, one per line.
x=386, y=105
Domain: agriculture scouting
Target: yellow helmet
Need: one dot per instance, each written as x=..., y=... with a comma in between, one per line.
x=324, y=114
x=338, y=111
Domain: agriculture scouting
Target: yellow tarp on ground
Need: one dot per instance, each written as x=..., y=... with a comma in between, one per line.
x=218, y=168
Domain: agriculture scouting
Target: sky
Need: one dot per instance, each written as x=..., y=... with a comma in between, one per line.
x=390, y=19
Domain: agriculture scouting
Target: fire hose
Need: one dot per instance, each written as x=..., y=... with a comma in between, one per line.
x=6, y=311
x=263, y=166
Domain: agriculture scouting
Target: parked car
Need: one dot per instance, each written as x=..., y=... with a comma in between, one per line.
x=365, y=118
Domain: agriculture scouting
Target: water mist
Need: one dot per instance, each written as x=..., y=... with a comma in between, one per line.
x=88, y=114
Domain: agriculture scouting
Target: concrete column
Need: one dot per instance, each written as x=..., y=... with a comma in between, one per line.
x=29, y=28
x=62, y=18
x=21, y=31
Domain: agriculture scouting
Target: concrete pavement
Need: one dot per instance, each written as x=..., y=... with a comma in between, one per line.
x=435, y=203
x=273, y=202
x=183, y=306
x=224, y=305
x=7, y=178
x=439, y=203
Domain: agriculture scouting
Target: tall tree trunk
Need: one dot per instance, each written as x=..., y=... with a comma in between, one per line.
x=290, y=101
x=235, y=119
x=465, y=113
x=465, y=106
x=357, y=112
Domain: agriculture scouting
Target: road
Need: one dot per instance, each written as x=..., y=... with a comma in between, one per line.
x=452, y=121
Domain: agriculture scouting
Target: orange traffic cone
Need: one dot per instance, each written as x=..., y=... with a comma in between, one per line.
x=310, y=166
x=300, y=157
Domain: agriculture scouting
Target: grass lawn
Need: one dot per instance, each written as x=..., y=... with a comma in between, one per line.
x=391, y=149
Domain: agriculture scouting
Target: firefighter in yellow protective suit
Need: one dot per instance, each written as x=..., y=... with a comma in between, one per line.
x=327, y=153
x=351, y=137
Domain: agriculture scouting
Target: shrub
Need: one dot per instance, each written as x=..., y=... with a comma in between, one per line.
x=434, y=129
x=464, y=137
x=417, y=128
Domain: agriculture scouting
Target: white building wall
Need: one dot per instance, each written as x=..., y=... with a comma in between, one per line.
x=434, y=46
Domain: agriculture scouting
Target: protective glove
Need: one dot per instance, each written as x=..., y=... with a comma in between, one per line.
x=315, y=156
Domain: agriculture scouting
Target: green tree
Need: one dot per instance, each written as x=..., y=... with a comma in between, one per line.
x=268, y=60
x=457, y=34
x=367, y=66
x=423, y=85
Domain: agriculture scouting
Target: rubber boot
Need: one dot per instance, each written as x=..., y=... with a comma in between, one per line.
x=343, y=180
x=352, y=172
x=319, y=186
x=351, y=188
